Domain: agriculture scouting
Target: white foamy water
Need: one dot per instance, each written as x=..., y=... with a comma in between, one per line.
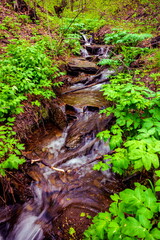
x=84, y=53
x=78, y=85
x=106, y=73
x=56, y=145
x=85, y=162
x=104, y=52
x=31, y=231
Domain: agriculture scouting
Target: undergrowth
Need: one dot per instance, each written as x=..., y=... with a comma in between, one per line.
x=132, y=215
x=134, y=141
x=125, y=48
x=25, y=69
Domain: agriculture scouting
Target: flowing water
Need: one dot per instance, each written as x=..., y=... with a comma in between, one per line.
x=65, y=187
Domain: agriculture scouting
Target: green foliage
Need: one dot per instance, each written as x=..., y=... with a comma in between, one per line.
x=136, y=132
x=71, y=25
x=49, y=44
x=73, y=42
x=10, y=24
x=25, y=68
x=72, y=231
x=137, y=154
x=119, y=37
x=10, y=149
x=24, y=18
x=110, y=62
x=125, y=46
x=157, y=182
x=132, y=53
x=133, y=214
x=71, y=28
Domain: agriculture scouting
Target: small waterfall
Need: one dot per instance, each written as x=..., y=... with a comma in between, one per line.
x=87, y=41
x=31, y=231
x=84, y=53
x=103, y=52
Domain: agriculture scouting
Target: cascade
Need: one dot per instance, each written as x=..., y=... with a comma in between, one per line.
x=75, y=188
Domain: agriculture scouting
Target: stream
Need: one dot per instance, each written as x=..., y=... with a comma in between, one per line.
x=67, y=191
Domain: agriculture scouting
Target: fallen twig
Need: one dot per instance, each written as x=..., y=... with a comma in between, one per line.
x=46, y=164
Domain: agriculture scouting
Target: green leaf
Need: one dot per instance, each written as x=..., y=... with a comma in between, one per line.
x=11, y=119
x=157, y=173
x=83, y=214
x=133, y=228
x=144, y=211
x=155, y=160
x=144, y=221
x=115, y=141
x=113, y=228
x=146, y=160
x=150, y=200
x=155, y=233
x=115, y=197
x=71, y=231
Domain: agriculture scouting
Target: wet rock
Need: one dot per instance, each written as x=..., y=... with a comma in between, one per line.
x=96, y=49
x=81, y=65
x=85, y=128
x=35, y=173
x=59, y=116
x=91, y=109
x=82, y=98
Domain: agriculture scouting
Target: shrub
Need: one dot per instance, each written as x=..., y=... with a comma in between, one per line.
x=132, y=215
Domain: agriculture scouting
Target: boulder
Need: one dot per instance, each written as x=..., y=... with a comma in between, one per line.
x=81, y=65
x=86, y=127
x=58, y=115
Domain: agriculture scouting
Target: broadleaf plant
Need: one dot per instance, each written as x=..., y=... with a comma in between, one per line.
x=133, y=214
x=135, y=136
x=25, y=69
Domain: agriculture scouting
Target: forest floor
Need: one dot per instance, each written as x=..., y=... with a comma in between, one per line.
x=15, y=186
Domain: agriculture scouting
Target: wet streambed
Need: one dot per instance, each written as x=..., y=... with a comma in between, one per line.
x=67, y=192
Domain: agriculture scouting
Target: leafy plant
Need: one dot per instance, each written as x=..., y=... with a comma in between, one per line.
x=133, y=214
x=132, y=53
x=110, y=62
x=25, y=68
x=72, y=231
x=10, y=149
x=119, y=37
x=24, y=18
x=72, y=41
x=10, y=24
x=157, y=182
x=136, y=131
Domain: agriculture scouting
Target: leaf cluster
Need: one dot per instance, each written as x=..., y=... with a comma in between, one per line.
x=73, y=42
x=25, y=69
x=135, y=137
x=125, y=46
x=119, y=37
x=10, y=149
x=133, y=214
